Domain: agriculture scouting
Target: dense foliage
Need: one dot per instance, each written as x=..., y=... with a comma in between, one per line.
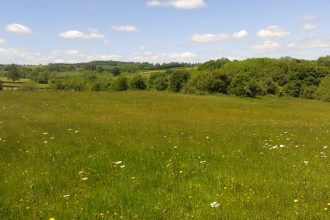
x=253, y=77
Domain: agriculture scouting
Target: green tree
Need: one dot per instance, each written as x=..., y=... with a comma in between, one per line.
x=323, y=92
x=13, y=73
x=99, y=69
x=137, y=83
x=244, y=85
x=120, y=84
x=115, y=71
x=158, y=81
x=0, y=85
x=177, y=80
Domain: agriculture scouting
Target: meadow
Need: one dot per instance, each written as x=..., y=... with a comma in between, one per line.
x=161, y=155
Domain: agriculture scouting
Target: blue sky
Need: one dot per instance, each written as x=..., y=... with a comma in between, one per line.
x=158, y=31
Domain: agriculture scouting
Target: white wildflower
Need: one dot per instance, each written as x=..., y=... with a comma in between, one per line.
x=118, y=162
x=45, y=133
x=122, y=166
x=45, y=142
x=175, y=147
x=306, y=162
x=325, y=147
x=76, y=132
x=65, y=196
x=203, y=162
x=281, y=146
x=214, y=204
x=81, y=172
x=84, y=178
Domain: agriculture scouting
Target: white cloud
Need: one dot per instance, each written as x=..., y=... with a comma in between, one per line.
x=308, y=18
x=178, y=4
x=309, y=26
x=124, y=28
x=18, y=28
x=142, y=48
x=80, y=35
x=3, y=41
x=209, y=38
x=106, y=42
x=272, y=32
x=267, y=45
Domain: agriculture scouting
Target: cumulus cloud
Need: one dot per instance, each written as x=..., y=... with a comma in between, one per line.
x=3, y=41
x=267, y=45
x=210, y=38
x=124, y=28
x=178, y=4
x=309, y=26
x=79, y=35
x=273, y=32
x=308, y=18
x=18, y=28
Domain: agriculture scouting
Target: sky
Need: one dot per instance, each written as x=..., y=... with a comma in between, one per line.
x=161, y=31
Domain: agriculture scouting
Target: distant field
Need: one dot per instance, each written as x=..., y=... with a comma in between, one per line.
x=160, y=155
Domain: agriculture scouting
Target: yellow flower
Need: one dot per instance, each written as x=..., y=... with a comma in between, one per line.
x=296, y=200
x=52, y=219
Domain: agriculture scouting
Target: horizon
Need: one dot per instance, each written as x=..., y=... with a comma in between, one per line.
x=195, y=31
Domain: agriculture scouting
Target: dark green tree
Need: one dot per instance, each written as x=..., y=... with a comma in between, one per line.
x=115, y=71
x=13, y=73
x=158, y=81
x=0, y=85
x=137, y=83
x=99, y=69
x=120, y=84
x=177, y=80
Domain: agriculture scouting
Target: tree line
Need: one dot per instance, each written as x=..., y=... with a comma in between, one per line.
x=252, y=77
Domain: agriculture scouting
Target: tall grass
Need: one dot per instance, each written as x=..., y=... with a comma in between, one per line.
x=154, y=155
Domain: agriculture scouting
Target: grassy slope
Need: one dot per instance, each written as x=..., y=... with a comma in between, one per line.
x=41, y=158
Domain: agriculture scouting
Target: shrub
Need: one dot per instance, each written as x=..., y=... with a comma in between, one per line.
x=120, y=84
x=243, y=85
x=137, y=83
x=323, y=92
x=0, y=85
x=28, y=86
x=158, y=81
x=177, y=80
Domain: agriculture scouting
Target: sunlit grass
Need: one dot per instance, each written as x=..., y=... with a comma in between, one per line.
x=154, y=155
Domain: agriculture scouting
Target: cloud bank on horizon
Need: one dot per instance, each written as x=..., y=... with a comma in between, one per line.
x=159, y=31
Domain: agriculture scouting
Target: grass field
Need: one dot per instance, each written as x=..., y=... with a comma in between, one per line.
x=159, y=155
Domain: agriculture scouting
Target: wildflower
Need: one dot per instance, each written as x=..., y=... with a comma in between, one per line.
x=133, y=177
x=325, y=147
x=214, y=204
x=52, y=219
x=175, y=147
x=69, y=129
x=81, y=172
x=84, y=178
x=52, y=138
x=118, y=162
x=274, y=147
x=45, y=142
x=325, y=209
x=203, y=162
x=306, y=162
x=65, y=196
x=295, y=201
x=76, y=132
x=122, y=166
x=207, y=137
x=281, y=146
x=45, y=133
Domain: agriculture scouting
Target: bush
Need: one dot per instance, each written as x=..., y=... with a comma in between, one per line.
x=137, y=83
x=0, y=85
x=177, y=80
x=28, y=86
x=323, y=92
x=292, y=89
x=243, y=85
x=120, y=84
x=158, y=81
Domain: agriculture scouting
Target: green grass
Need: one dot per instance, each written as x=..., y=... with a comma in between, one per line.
x=180, y=152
